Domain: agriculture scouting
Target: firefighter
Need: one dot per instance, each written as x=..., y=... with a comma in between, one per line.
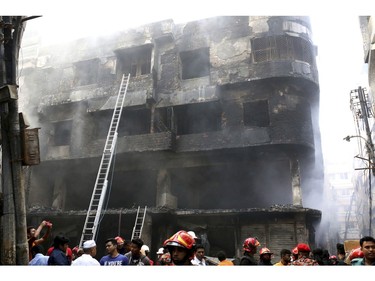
x=250, y=248
x=355, y=255
x=265, y=256
x=181, y=248
x=294, y=256
x=303, y=256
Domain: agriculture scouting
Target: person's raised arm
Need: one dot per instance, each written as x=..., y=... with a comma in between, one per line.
x=45, y=236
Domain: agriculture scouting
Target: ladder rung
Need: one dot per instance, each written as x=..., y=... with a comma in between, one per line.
x=104, y=165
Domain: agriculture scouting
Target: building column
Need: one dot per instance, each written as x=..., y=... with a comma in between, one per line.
x=301, y=230
x=59, y=194
x=296, y=181
x=164, y=197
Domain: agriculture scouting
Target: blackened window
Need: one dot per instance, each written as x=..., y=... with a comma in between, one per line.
x=198, y=118
x=62, y=132
x=135, y=60
x=256, y=113
x=135, y=122
x=86, y=72
x=195, y=63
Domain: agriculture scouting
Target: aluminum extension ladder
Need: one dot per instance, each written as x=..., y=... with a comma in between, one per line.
x=96, y=203
x=139, y=222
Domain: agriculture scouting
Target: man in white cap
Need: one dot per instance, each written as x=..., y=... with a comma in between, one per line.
x=89, y=252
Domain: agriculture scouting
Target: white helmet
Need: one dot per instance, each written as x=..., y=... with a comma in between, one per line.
x=145, y=249
x=192, y=234
x=160, y=251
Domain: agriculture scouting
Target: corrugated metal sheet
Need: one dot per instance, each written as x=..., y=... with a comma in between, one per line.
x=275, y=236
x=281, y=236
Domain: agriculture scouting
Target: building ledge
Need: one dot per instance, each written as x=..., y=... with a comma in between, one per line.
x=275, y=209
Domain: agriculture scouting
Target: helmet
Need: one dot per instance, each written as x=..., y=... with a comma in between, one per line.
x=166, y=259
x=356, y=253
x=192, y=234
x=145, y=249
x=295, y=251
x=160, y=251
x=250, y=243
x=180, y=239
x=265, y=251
x=302, y=247
x=119, y=240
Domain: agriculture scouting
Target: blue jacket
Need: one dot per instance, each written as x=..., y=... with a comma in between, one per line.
x=58, y=257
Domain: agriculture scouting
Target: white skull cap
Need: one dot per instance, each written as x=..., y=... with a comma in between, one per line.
x=89, y=244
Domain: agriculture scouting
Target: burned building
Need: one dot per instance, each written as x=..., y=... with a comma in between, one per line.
x=219, y=131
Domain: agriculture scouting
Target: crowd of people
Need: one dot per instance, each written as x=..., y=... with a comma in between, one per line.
x=183, y=248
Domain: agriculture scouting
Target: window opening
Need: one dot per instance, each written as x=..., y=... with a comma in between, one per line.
x=86, y=72
x=62, y=132
x=198, y=118
x=256, y=113
x=195, y=63
x=136, y=61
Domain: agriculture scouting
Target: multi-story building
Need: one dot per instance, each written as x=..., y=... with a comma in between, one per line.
x=219, y=131
x=339, y=214
x=363, y=107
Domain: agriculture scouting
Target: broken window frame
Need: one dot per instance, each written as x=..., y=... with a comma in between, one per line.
x=281, y=47
x=136, y=60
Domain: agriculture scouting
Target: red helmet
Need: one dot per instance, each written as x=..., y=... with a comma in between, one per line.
x=75, y=250
x=250, y=243
x=295, y=251
x=302, y=247
x=119, y=240
x=180, y=239
x=165, y=259
x=356, y=253
x=265, y=251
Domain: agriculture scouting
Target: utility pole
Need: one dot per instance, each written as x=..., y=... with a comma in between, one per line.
x=370, y=148
x=364, y=113
x=13, y=221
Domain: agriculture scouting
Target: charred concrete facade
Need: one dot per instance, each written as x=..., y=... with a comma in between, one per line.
x=218, y=135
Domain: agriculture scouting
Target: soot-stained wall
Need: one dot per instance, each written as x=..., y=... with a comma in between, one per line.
x=219, y=121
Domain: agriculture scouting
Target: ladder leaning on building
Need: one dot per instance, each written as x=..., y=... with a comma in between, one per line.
x=90, y=227
x=139, y=222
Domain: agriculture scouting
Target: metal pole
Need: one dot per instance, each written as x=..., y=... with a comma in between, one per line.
x=370, y=199
x=370, y=206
